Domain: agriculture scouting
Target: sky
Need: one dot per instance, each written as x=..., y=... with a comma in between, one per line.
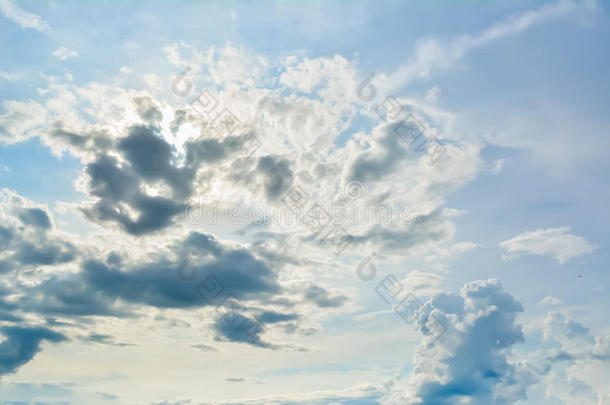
x=324, y=202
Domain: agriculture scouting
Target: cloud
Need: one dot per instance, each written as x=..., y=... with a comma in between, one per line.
x=556, y=242
x=576, y=359
x=21, y=344
x=323, y=298
x=204, y=348
x=275, y=317
x=550, y=301
x=433, y=95
x=35, y=217
x=193, y=271
x=422, y=284
x=433, y=54
x=119, y=186
x=64, y=53
x=359, y=395
x=27, y=235
x=144, y=185
x=22, y=17
x=96, y=289
x=235, y=327
x=330, y=78
x=144, y=162
x=565, y=331
x=148, y=110
x=21, y=120
x=104, y=340
x=277, y=175
x=469, y=363
x=472, y=362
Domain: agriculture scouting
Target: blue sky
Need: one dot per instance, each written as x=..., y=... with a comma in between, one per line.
x=125, y=205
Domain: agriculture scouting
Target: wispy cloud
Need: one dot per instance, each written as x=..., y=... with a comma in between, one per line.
x=22, y=17
x=432, y=54
x=557, y=242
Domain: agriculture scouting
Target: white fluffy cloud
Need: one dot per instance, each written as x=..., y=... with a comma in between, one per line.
x=63, y=53
x=21, y=120
x=577, y=366
x=556, y=242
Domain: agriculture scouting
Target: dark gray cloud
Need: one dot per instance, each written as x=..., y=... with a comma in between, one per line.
x=148, y=153
x=6, y=235
x=323, y=298
x=116, y=285
x=53, y=252
x=99, y=286
x=235, y=327
x=21, y=344
x=104, y=340
x=69, y=295
x=275, y=317
x=35, y=217
x=277, y=175
x=8, y=309
x=118, y=188
x=152, y=159
x=149, y=160
x=271, y=173
x=148, y=110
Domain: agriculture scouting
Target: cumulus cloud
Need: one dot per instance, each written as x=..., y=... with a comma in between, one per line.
x=470, y=362
x=556, y=242
x=575, y=360
x=473, y=362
